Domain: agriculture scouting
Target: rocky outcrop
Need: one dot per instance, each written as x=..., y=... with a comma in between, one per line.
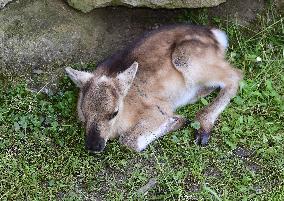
x=3, y=3
x=88, y=5
x=238, y=11
x=39, y=38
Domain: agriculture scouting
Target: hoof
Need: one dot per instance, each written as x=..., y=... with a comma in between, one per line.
x=187, y=122
x=201, y=137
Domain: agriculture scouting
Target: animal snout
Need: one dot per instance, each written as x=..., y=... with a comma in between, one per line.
x=95, y=146
x=94, y=142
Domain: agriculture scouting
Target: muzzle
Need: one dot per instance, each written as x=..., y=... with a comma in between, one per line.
x=95, y=143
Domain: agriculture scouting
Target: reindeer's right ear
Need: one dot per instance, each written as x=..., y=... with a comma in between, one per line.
x=78, y=77
x=126, y=78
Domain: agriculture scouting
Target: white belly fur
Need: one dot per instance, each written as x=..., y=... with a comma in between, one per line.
x=185, y=96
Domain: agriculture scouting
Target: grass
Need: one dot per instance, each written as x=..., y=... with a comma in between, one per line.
x=42, y=155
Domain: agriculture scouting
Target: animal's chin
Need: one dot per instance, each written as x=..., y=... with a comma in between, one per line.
x=97, y=148
x=95, y=151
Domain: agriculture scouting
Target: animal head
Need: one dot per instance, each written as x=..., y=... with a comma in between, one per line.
x=100, y=103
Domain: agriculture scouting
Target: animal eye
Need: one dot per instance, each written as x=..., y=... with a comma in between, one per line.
x=113, y=115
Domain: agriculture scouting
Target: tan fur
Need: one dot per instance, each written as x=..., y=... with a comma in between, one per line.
x=177, y=65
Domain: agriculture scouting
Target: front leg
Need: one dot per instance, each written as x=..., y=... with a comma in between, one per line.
x=146, y=132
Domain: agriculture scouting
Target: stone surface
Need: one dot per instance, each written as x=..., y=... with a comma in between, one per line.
x=3, y=3
x=44, y=36
x=239, y=11
x=88, y=5
x=38, y=38
x=280, y=5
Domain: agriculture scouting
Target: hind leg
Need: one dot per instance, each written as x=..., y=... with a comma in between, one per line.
x=204, y=67
x=228, y=80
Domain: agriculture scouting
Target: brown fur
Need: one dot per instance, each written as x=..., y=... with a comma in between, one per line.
x=177, y=65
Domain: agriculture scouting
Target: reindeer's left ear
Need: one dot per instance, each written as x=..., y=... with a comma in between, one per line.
x=126, y=78
x=78, y=77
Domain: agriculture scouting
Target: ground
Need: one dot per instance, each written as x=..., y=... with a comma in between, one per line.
x=42, y=155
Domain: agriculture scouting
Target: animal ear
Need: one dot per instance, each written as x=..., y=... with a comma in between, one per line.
x=126, y=78
x=78, y=77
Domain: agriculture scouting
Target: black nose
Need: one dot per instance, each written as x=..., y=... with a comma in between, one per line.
x=94, y=142
x=95, y=145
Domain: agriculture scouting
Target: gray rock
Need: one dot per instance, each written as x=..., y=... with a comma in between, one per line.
x=46, y=35
x=38, y=38
x=3, y=3
x=144, y=189
x=280, y=5
x=88, y=5
x=239, y=11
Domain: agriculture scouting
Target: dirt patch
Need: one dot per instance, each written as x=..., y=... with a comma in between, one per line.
x=191, y=184
x=212, y=171
x=242, y=152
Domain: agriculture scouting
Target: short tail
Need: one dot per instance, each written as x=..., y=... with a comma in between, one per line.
x=221, y=37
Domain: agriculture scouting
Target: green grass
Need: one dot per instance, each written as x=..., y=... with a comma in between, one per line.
x=42, y=155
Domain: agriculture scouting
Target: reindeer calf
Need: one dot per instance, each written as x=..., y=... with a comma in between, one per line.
x=134, y=93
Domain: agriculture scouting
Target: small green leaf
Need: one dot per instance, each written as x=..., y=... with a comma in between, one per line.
x=175, y=139
x=241, y=119
x=242, y=85
x=251, y=57
x=123, y=162
x=264, y=139
x=225, y=129
x=51, y=183
x=16, y=126
x=231, y=144
x=195, y=125
x=212, y=192
x=268, y=84
x=238, y=100
x=204, y=101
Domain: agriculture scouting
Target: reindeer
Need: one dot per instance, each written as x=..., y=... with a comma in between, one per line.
x=134, y=93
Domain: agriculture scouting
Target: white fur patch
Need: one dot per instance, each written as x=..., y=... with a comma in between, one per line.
x=221, y=37
x=147, y=138
x=103, y=79
x=185, y=97
x=216, y=84
x=144, y=140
